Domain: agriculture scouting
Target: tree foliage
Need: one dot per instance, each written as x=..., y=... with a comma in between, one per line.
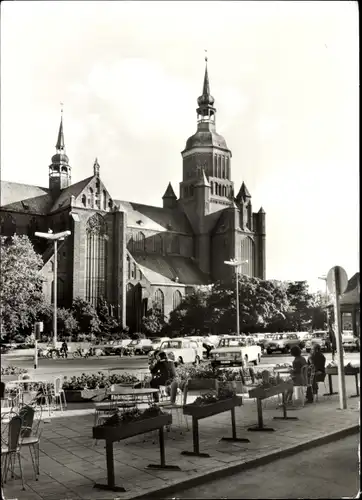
x=21, y=284
x=260, y=303
x=191, y=316
x=154, y=321
x=108, y=324
x=86, y=316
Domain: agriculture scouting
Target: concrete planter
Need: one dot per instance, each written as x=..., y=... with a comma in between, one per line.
x=202, y=384
x=264, y=393
x=74, y=396
x=203, y=411
x=126, y=430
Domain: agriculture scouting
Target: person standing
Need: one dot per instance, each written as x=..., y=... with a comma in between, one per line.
x=317, y=363
x=296, y=372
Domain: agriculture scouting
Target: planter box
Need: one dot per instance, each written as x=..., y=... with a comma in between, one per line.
x=126, y=430
x=261, y=393
x=74, y=396
x=234, y=385
x=213, y=408
x=202, y=384
x=347, y=370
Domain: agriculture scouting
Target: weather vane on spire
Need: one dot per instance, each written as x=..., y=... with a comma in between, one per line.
x=205, y=55
x=61, y=108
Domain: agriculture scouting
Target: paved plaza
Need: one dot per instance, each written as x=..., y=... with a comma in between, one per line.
x=71, y=462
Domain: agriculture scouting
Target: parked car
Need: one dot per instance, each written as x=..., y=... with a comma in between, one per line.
x=113, y=347
x=157, y=341
x=235, y=351
x=283, y=342
x=321, y=338
x=263, y=339
x=182, y=350
x=140, y=346
x=350, y=343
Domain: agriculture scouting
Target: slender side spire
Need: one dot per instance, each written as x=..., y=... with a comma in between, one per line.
x=60, y=146
x=96, y=168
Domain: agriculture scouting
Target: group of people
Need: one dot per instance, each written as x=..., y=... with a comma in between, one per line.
x=316, y=371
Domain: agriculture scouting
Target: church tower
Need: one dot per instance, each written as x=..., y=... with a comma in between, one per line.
x=206, y=152
x=59, y=170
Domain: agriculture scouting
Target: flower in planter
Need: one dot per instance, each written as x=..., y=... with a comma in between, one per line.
x=12, y=370
x=132, y=415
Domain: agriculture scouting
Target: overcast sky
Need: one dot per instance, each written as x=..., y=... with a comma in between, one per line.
x=284, y=76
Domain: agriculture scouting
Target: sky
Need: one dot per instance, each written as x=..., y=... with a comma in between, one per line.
x=285, y=79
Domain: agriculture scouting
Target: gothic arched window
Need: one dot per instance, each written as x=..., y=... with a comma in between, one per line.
x=159, y=304
x=96, y=254
x=84, y=200
x=140, y=242
x=175, y=244
x=104, y=200
x=158, y=244
x=247, y=253
x=128, y=267
x=176, y=299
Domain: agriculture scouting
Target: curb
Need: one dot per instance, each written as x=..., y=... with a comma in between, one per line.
x=256, y=462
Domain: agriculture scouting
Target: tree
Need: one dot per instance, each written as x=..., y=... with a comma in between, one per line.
x=154, y=321
x=191, y=315
x=301, y=304
x=109, y=324
x=86, y=316
x=21, y=284
x=66, y=322
x=260, y=303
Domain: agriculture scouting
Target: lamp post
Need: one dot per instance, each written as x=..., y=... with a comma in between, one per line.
x=235, y=263
x=54, y=237
x=324, y=278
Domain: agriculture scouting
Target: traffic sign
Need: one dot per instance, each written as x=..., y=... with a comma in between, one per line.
x=340, y=274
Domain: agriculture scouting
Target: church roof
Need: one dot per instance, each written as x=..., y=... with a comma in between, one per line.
x=24, y=198
x=352, y=293
x=154, y=218
x=63, y=199
x=164, y=269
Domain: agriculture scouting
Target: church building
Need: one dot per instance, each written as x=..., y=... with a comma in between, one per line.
x=139, y=256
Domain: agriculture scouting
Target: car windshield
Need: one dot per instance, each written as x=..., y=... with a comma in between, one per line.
x=280, y=336
x=156, y=341
x=232, y=342
x=171, y=344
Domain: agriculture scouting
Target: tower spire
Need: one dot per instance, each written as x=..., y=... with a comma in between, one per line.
x=206, y=86
x=60, y=146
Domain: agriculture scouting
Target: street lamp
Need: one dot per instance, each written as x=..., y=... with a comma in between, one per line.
x=54, y=237
x=235, y=263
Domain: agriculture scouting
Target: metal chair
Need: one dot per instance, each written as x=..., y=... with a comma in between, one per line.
x=32, y=440
x=55, y=392
x=11, y=450
x=172, y=404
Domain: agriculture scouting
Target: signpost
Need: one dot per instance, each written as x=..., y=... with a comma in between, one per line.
x=337, y=282
x=38, y=330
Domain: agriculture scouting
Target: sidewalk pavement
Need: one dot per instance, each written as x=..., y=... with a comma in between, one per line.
x=71, y=462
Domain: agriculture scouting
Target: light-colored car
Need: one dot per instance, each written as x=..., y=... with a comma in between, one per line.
x=157, y=341
x=235, y=351
x=113, y=347
x=321, y=338
x=182, y=350
x=350, y=343
x=283, y=342
x=141, y=346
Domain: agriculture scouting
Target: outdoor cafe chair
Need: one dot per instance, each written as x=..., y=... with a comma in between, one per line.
x=173, y=404
x=11, y=450
x=55, y=392
x=31, y=438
